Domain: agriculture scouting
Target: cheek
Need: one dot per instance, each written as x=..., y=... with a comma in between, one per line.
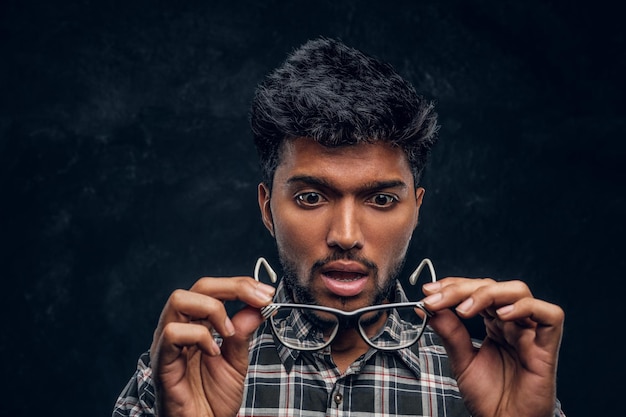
x=297, y=235
x=391, y=237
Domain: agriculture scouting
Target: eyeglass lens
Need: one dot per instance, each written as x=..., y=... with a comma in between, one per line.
x=312, y=329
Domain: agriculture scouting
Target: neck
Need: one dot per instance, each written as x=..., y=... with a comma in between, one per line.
x=347, y=347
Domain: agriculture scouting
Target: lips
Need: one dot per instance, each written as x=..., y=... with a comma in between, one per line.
x=344, y=278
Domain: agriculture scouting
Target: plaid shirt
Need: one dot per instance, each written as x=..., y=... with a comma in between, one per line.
x=415, y=381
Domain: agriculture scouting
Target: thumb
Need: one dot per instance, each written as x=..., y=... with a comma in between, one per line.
x=235, y=347
x=455, y=337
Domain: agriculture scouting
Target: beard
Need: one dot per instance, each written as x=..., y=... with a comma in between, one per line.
x=302, y=294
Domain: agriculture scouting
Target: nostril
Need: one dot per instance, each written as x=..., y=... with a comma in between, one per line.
x=345, y=244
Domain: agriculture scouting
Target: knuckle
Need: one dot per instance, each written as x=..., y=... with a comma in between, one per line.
x=519, y=285
x=559, y=313
x=202, y=283
x=244, y=287
x=177, y=298
x=246, y=283
x=521, y=288
x=169, y=332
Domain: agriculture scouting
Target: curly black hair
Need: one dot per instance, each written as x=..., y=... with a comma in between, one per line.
x=339, y=96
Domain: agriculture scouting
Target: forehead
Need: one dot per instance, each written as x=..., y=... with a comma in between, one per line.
x=364, y=162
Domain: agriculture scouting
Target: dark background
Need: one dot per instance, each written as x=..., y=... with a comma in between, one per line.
x=127, y=170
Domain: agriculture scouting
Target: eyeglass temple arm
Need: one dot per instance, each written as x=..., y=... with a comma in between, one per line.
x=268, y=269
x=268, y=310
x=418, y=271
x=412, y=279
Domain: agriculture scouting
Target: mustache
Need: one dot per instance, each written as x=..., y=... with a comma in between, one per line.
x=344, y=256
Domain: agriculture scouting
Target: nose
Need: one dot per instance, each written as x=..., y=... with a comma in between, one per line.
x=344, y=230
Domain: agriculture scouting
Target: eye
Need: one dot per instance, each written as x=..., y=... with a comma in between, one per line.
x=309, y=199
x=383, y=200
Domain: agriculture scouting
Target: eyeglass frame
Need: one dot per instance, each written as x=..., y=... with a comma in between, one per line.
x=269, y=310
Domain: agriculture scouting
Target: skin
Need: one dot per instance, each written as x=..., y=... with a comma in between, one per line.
x=329, y=203
x=358, y=202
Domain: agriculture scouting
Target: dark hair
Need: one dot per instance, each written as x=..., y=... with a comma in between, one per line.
x=339, y=96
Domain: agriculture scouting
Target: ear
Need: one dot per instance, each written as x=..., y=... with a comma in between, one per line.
x=264, y=206
x=419, y=196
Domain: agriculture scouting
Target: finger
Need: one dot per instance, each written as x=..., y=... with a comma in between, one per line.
x=451, y=291
x=455, y=337
x=244, y=289
x=495, y=295
x=189, y=307
x=235, y=348
x=437, y=286
x=511, y=333
x=476, y=296
x=205, y=301
x=175, y=338
x=548, y=319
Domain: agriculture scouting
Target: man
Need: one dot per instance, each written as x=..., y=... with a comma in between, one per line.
x=343, y=140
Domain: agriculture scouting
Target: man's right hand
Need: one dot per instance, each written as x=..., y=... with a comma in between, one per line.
x=192, y=374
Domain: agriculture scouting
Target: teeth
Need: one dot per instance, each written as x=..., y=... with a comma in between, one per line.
x=345, y=277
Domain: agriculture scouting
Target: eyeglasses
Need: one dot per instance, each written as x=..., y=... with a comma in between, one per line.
x=309, y=327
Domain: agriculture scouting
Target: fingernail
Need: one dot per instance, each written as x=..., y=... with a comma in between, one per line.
x=228, y=326
x=433, y=299
x=265, y=292
x=465, y=305
x=432, y=286
x=505, y=310
x=215, y=348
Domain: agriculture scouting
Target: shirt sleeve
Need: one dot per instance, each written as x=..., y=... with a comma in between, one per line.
x=137, y=399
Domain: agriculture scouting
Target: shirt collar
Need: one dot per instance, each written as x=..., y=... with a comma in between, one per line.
x=409, y=355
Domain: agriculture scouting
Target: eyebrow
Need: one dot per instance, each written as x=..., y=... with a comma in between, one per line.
x=371, y=186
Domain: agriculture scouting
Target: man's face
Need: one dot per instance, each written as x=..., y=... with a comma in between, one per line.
x=342, y=218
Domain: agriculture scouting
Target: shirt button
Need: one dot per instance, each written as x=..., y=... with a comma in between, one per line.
x=338, y=398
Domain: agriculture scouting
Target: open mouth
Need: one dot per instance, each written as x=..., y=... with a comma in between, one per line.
x=345, y=278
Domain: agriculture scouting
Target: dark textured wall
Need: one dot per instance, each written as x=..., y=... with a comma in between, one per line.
x=126, y=168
